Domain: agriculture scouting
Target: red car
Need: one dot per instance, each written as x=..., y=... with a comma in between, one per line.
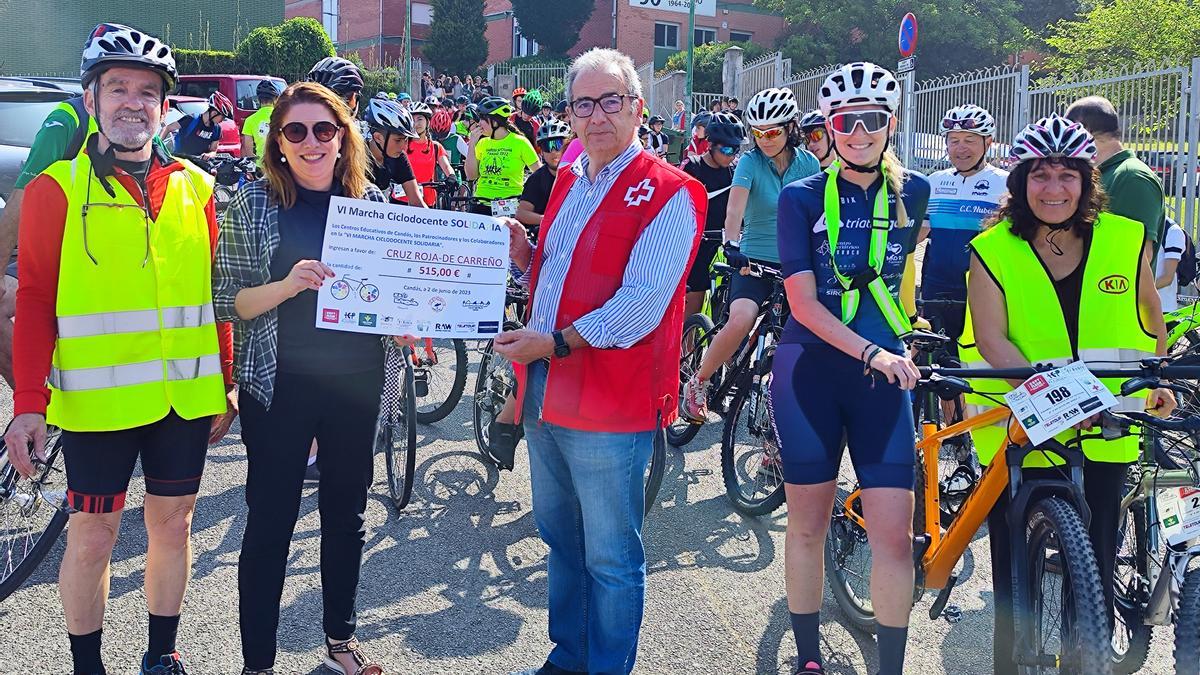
x=231, y=135
x=241, y=89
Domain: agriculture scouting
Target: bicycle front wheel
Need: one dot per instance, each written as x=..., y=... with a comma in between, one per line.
x=697, y=334
x=32, y=514
x=396, y=434
x=1064, y=600
x=495, y=384
x=445, y=376
x=751, y=466
x=654, y=470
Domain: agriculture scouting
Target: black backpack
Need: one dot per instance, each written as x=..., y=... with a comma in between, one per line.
x=1185, y=273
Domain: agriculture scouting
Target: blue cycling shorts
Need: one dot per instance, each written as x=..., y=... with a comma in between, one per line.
x=821, y=402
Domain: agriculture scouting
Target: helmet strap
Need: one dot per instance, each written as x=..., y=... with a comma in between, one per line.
x=113, y=146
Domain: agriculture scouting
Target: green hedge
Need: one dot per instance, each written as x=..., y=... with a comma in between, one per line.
x=202, y=61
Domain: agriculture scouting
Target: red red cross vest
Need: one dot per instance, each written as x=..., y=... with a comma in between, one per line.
x=616, y=390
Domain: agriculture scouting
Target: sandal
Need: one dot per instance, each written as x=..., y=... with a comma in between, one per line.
x=364, y=666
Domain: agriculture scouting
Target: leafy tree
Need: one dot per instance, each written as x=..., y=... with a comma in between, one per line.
x=554, y=25
x=1126, y=33
x=288, y=50
x=707, y=61
x=456, y=43
x=1039, y=17
x=953, y=36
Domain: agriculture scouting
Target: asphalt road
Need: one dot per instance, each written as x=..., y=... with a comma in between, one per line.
x=457, y=582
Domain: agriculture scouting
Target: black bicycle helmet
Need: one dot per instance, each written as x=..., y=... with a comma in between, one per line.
x=495, y=106
x=725, y=129
x=340, y=75
x=389, y=117
x=657, y=119
x=702, y=119
x=643, y=131
x=268, y=89
x=462, y=100
x=113, y=44
x=561, y=107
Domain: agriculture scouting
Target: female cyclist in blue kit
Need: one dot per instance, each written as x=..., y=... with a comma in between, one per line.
x=841, y=371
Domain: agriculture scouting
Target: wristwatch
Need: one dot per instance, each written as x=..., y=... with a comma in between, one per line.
x=561, y=348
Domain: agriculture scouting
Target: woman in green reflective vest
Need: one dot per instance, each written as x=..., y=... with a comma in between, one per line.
x=1057, y=279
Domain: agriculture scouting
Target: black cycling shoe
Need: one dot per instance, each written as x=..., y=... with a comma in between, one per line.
x=169, y=664
x=503, y=439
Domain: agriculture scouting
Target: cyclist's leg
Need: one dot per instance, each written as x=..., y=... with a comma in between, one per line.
x=879, y=435
x=1103, y=485
x=98, y=467
x=809, y=431
x=698, y=280
x=746, y=295
x=172, y=461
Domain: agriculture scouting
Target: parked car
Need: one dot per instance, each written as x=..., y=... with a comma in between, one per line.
x=929, y=154
x=24, y=105
x=231, y=136
x=1167, y=165
x=241, y=89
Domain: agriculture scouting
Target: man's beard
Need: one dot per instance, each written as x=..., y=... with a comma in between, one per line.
x=128, y=134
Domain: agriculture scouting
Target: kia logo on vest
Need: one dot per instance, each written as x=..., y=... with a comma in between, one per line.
x=1114, y=284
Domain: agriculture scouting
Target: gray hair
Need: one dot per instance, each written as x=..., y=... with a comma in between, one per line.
x=602, y=58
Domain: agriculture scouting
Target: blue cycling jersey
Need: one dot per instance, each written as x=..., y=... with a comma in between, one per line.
x=804, y=247
x=958, y=206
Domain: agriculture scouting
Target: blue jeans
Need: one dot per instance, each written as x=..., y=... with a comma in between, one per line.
x=588, y=502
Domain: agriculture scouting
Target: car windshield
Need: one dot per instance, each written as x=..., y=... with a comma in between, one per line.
x=22, y=119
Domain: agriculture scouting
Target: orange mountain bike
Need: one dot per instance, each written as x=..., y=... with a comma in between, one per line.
x=1059, y=605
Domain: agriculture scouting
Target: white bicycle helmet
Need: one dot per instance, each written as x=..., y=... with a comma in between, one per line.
x=388, y=116
x=771, y=106
x=419, y=108
x=554, y=129
x=971, y=119
x=113, y=44
x=1053, y=136
x=859, y=83
x=812, y=119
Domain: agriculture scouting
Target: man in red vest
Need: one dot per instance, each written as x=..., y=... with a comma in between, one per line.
x=598, y=371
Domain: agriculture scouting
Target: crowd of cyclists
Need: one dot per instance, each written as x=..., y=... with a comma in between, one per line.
x=1013, y=271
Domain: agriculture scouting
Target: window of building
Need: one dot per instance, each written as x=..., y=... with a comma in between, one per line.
x=703, y=36
x=329, y=18
x=522, y=46
x=422, y=14
x=738, y=36
x=666, y=35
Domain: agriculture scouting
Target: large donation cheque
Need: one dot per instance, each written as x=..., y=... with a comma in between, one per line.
x=402, y=270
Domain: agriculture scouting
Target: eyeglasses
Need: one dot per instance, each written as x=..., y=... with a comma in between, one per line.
x=296, y=132
x=728, y=150
x=815, y=134
x=768, y=134
x=966, y=124
x=609, y=103
x=872, y=121
x=551, y=145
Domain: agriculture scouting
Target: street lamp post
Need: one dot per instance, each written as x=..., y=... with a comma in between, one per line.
x=407, y=65
x=691, y=42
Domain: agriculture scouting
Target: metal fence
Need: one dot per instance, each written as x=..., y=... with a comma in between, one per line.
x=645, y=73
x=1158, y=105
x=703, y=101
x=549, y=79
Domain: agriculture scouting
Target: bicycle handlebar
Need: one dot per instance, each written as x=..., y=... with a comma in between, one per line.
x=1159, y=368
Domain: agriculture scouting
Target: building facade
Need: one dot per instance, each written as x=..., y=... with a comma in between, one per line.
x=45, y=38
x=644, y=29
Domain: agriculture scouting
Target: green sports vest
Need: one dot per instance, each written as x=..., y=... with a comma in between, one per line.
x=1110, y=326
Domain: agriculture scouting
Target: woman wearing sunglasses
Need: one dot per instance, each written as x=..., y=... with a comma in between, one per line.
x=841, y=371
x=777, y=159
x=816, y=137
x=299, y=383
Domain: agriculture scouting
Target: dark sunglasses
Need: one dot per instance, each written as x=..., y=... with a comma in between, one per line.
x=814, y=134
x=728, y=150
x=296, y=132
x=965, y=125
x=872, y=121
x=551, y=145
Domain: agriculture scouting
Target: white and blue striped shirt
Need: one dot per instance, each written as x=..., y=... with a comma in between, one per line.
x=656, y=263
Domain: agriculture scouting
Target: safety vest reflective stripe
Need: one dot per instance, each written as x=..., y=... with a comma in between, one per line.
x=876, y=255
x=108, y=377
x=135, y=321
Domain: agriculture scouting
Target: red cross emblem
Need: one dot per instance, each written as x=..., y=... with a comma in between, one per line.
x=639, y=193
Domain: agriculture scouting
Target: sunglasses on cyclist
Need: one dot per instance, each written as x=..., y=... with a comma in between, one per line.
x=727, y=150
x=296, y=132
x=966, y=125
x=871, y=121
x=551, y=145
x=815, y=134
x=768, y=134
